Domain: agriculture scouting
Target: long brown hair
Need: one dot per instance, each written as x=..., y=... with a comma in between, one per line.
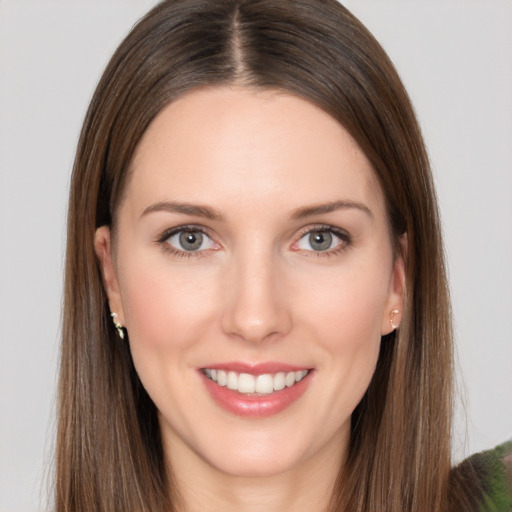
x=109, y=452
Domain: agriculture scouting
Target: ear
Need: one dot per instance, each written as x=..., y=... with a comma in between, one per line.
x=393, y=311
x=103, y=248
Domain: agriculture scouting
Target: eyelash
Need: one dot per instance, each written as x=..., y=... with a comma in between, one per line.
x=345, y=238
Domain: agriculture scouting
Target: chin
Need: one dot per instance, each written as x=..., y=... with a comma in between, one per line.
x=252, y=465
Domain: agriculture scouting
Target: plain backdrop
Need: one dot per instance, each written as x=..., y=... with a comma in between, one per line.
x=455, y=57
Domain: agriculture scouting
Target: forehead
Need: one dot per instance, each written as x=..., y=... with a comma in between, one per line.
x=218, y=144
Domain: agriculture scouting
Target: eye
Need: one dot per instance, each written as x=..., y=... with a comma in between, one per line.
x=189, y=240
x=322, y=240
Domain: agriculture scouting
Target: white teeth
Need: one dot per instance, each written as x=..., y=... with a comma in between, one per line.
x=264, y=383
x=279, y=381
x=290, y=379
x=300, y=375
x=246, y=383
x=232, y=381
x=221, y=377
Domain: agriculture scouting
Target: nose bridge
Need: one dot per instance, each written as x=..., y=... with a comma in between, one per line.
x=255, y=308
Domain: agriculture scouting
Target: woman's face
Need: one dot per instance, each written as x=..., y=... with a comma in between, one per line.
x=253, y=270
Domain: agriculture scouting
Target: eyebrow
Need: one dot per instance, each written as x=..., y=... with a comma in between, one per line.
x=209, y=213
x=184, y=209
x=319, y=209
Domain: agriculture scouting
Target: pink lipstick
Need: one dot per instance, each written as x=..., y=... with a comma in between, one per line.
x=255, y=390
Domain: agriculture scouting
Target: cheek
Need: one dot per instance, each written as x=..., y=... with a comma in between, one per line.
x=348, y=329
x=345, y=323
x=165, y=309
x=167, y=312
x=347, y=304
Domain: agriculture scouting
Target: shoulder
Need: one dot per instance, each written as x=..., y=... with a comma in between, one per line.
x=488, y=477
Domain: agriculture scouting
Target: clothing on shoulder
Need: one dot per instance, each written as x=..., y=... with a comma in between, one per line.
x=487, y=476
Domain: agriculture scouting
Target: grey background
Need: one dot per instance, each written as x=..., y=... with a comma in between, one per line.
x=455, y=57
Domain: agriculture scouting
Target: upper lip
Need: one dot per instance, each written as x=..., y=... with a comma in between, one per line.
x=256, y=368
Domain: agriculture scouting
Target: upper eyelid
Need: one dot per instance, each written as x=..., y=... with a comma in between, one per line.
x=324, y=227
x=185, y=227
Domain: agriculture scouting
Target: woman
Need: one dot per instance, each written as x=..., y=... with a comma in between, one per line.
x=252, y=206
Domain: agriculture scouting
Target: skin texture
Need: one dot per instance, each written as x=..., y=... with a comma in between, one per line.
x=256, y=291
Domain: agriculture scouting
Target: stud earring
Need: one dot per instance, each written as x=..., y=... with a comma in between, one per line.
x=393, y=313
x=117, y=325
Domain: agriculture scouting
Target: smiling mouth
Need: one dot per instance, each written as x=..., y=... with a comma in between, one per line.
x=263, y=384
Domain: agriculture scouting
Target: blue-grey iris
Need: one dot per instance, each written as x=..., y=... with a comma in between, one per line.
x=320, y=240
x=191, y=240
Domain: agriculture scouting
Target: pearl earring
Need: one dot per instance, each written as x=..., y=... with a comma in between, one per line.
x=118, y=326
x=393, y=313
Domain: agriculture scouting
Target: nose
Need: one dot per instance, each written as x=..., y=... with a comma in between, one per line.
x=256, y=307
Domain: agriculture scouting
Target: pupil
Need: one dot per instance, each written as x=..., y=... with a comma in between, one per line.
x=320, y=240
x=191, y=241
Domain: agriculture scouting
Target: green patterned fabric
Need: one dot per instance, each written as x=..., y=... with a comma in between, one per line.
x=483, y=482
x=487, y=478
x=497, y=464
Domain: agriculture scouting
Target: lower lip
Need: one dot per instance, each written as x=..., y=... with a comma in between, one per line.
x=256, y=406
